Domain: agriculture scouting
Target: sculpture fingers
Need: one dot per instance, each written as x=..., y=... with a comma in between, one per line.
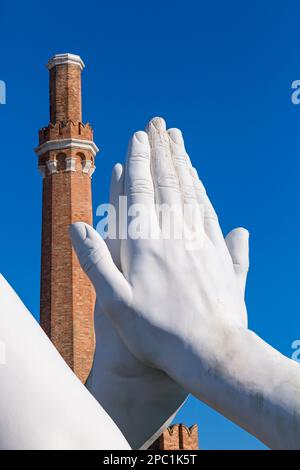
x=165, y=178
x=192, y=211
x=237, y=242
x=182, y=165
x=113, y=291
x=139, y=188
x=138, y=179
x=116, y=217
x=211, y=222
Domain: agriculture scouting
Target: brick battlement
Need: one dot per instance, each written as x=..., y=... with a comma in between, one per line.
x=177, y=437
x=65, y=130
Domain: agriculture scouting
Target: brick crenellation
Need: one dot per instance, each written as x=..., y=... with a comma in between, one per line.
x=177, y=437
x=65, y=130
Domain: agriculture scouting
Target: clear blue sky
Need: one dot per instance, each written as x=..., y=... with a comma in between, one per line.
x=221, y=71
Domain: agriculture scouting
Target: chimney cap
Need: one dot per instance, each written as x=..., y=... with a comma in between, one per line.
x=60, y=59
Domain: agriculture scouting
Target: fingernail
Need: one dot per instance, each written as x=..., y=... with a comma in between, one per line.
x=244, y=231
x=159, y=123
x=141, y=136
x=176, y=136
x=118, y=172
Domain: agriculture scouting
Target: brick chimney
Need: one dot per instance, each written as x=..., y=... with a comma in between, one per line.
x=66, y=160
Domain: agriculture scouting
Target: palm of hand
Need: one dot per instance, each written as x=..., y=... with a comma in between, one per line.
x=210, y=297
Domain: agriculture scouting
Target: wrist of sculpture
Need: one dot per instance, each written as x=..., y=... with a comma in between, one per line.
x=250, y=383
x=141, y=416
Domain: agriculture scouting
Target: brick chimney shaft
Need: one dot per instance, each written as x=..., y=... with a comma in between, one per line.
x=65, y=88
x=66, y=160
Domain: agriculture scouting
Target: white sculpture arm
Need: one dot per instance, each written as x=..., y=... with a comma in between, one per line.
x=181, y=310
x=42, y=403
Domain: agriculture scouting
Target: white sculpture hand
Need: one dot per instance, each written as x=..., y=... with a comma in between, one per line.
x=141, y=400
x=42, y=403
x=181, y=310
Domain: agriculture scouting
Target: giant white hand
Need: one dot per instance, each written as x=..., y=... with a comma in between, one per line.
x=142, y=400
x=42, y=403
x=181, y=310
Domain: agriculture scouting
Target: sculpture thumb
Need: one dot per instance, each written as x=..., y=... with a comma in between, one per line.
x=111, y=287
x=237, y=242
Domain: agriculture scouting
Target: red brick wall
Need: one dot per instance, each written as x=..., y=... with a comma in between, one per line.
x=65, y=93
